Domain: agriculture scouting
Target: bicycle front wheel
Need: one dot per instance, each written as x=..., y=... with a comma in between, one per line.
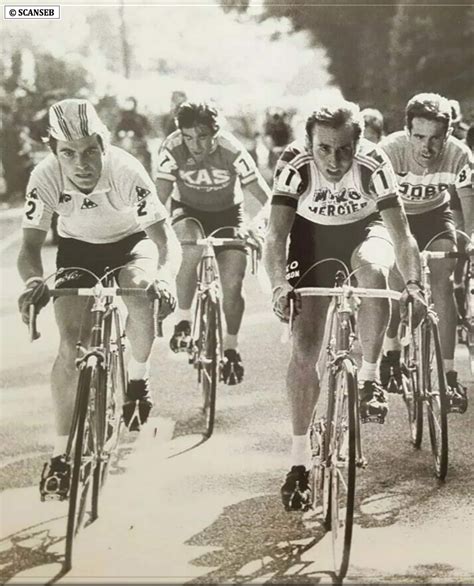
x=411, y=389
x=207, y=362
x=434, y=382
x=84, y=458
x=342, y=432
x=111, y=388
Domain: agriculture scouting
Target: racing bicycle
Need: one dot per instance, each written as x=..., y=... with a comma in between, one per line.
x=335, y=427
x=423, y=377
x=206, y=349
x=101, y=388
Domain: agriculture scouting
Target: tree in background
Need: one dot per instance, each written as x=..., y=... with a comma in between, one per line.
x=382, y=54
x=431, y=49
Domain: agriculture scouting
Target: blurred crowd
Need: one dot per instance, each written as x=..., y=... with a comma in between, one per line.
x=24, y=122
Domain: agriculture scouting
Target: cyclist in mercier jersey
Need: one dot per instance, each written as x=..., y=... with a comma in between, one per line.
x=109, y=216
x=335, y=197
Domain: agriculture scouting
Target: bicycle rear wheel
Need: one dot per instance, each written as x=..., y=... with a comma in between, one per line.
x=411, y=380
x=83, y=443
x=341, y=430
x=207, y=362
x=434, y=382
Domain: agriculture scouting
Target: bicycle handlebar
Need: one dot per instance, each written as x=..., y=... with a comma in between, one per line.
x=97, y=291
x=349, y=291
x=212, y=240
x=437, y=255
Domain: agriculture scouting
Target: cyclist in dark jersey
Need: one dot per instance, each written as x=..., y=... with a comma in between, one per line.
x=205, y=171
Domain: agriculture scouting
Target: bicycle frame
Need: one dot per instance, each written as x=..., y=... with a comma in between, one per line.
x=208, y=286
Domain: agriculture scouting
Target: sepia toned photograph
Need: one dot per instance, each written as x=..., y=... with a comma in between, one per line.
x=237, y=292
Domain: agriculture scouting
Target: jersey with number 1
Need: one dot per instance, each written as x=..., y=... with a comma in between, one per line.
x=123, y=202
x=423, y=190
x=368, y=187
x=211, y=185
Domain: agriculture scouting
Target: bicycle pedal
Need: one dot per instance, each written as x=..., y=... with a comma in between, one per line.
x=373, y=419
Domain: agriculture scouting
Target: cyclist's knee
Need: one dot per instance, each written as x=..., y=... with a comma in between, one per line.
x=372, y=276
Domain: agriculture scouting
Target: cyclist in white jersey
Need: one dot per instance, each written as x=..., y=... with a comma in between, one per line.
x=109, y=216
x=335, y=195
x=431, y=165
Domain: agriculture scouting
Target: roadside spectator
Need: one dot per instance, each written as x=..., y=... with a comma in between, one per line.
x=373, y=120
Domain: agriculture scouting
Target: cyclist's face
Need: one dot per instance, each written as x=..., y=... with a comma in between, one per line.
x=81, y=161
x=427, y=139
x=333, y=150
x=200, y=141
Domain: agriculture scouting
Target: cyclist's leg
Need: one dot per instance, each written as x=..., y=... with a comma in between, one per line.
x=74, y=323
x=186, y=228
x=303, y=387
x=232, y=264
x=372, y=260
x=141, y=260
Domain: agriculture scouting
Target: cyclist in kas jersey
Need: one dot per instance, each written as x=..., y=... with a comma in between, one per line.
x=205, y=171
x=109, y=216
x=430, y=164
x=335, y=196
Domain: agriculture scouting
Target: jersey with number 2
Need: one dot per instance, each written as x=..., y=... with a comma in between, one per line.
x=123, y=202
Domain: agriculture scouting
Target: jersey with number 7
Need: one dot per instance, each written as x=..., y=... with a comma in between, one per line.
x=211, y=185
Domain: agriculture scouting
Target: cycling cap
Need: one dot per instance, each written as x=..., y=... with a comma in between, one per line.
x=73, y=119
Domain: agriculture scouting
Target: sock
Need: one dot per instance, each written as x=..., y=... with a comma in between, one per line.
x=300, y=451
x=448, y=365
x=183, y=314
x=390, y=344
x=368, y=371
x=60, y=444
x=138, y=370
x=231, y=342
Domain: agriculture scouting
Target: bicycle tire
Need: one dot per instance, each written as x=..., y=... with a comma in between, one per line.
x=207, y=369
x=82, y=473
x=411, y=389
x=434, y=382
x=341, y=430
x=110, y=395
x=99, y=391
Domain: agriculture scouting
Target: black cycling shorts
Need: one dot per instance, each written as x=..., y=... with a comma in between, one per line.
x=426, y=226
x=310, y=242
x=135, y=249
x=230, y=220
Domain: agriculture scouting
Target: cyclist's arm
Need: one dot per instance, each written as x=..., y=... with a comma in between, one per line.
x=164, y=189
x=29, y=261
x=407, y=254
x=169, y=248
x=274, y=252
x=466, y=197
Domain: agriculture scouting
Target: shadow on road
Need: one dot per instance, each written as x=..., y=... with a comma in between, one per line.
x=256, y=540
x=38, y=545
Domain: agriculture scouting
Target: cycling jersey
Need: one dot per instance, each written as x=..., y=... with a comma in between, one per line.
x=422, y=189
x=123, y=202
x=210, y=185
x=369, y=186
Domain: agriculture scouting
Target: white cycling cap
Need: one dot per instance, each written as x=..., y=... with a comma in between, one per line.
x=73, y=119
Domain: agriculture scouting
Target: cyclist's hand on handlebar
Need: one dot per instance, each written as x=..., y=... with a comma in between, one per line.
x=281, y=302
x=414, y=293
x=36, y=293
x=163, y=291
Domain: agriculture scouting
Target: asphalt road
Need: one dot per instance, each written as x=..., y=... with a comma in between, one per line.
x=176, y=511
